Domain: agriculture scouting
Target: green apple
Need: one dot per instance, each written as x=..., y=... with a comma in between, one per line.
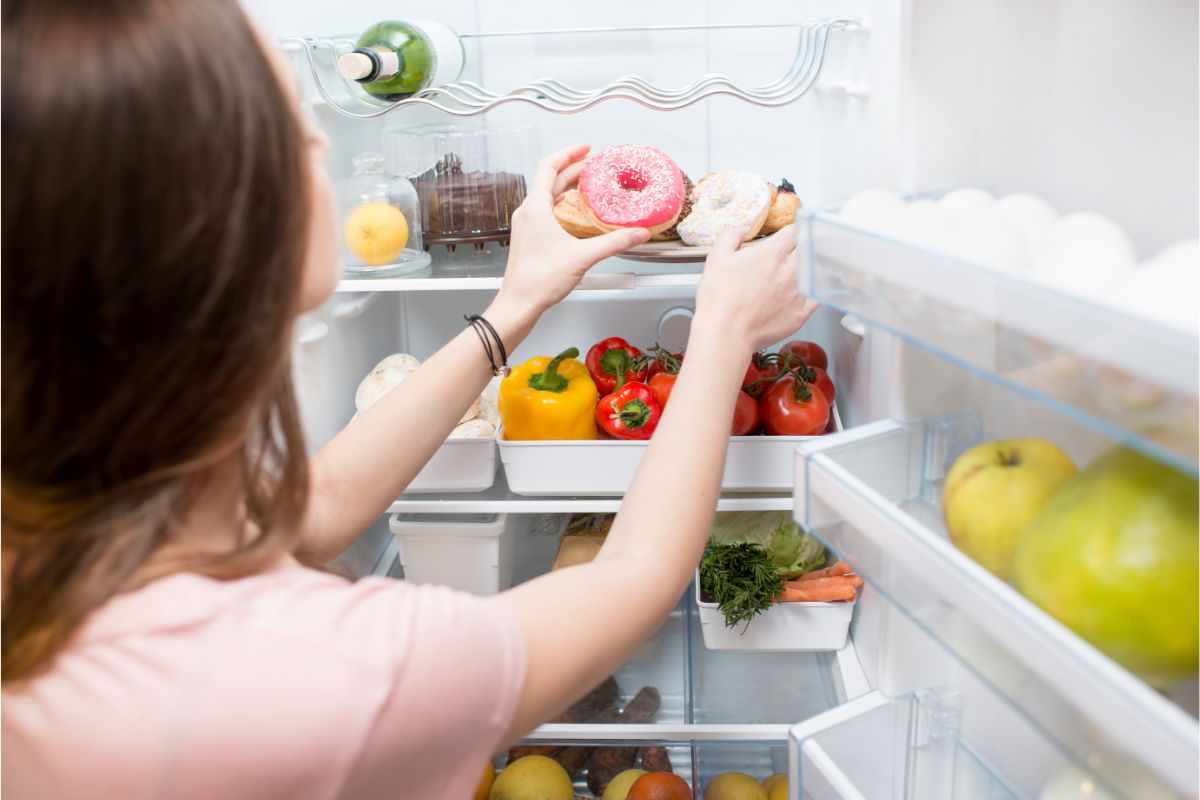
x=1113, y=556
x=994, y=490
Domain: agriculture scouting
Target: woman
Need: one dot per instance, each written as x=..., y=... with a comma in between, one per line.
x=166, y=218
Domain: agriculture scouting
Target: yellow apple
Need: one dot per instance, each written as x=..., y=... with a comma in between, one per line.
x=376, y=232
x=994, y=490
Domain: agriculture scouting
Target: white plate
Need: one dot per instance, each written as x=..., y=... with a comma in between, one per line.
x=672, y=252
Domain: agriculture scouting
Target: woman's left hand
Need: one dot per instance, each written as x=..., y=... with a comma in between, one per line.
x=545, y=262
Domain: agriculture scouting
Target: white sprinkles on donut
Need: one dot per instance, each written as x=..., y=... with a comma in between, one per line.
x=722, y=200
x=632, y=186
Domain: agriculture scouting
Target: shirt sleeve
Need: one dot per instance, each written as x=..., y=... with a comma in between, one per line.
x=457, y=667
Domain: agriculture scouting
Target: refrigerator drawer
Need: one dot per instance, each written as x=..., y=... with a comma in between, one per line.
x=873, y=497
x=607, y=467
x=459, y=465
x=783, y=628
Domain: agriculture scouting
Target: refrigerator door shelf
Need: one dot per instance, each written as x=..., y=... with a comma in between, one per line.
x=875, y=748
x=868, y=496
x=608, y=467
x=1128, y=377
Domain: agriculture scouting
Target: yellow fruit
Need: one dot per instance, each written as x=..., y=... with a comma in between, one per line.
x=734, y=786
x=618, y=787
x=778, y=790
x=484, y=789
x=533, y=778
x=376, y=232
x=770, y=782
x=992, y=493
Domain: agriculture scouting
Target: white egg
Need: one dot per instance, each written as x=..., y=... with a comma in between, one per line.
x=924, y=223
x=961, y=200
x=1083, y=253
x=872, y=208
x=1030, y=215
x=987, y=239
x=1168, y=292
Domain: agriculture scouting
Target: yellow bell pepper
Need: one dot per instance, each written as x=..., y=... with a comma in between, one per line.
x=549, y=398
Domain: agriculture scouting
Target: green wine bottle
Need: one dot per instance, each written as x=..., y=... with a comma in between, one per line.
x=394, y=59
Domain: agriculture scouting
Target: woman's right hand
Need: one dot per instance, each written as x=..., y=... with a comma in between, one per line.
x=545, y=262
x=752, y=293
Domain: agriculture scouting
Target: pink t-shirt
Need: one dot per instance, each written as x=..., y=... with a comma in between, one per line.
x=291, y=684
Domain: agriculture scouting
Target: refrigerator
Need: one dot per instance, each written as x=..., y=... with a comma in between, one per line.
x=951, y=683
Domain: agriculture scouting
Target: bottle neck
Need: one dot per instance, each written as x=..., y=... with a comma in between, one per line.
x=368, y=64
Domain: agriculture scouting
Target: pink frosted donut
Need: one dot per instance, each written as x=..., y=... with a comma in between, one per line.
x=632, y=186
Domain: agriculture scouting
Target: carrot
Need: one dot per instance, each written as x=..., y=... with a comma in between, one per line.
x=812, y=583
x=840, y=568
x=817, y=594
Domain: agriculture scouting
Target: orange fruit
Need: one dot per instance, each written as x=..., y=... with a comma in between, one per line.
x=659, y=786
x=484, y=789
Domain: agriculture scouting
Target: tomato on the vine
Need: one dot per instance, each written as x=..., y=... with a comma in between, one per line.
x=661, y=385
x=808, y=353
x=762, y=372
x=792, y=407
x=660, y=360
x=820, y=378
x=746, y=416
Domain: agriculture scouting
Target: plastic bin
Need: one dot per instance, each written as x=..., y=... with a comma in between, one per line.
x=606, y=467
x=459, y=465
x=783, y=628
x=469, y=552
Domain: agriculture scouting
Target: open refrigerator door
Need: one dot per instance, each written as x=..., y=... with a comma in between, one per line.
x=953, y=682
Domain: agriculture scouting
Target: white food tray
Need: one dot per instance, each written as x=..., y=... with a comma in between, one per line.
x=468, y=552
x=605, y=467
x=782, y=628
x=459, y=465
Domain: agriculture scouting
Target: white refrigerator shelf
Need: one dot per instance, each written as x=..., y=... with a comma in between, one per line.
x=862, y=495
x=1134, y=379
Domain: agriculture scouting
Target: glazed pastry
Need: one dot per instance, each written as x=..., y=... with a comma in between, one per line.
x=672, y=232
x=573, y=218
x=723, y=200
x=783, y=210
x=632, y=186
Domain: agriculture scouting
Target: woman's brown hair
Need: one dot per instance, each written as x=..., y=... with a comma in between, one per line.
x=155, y=219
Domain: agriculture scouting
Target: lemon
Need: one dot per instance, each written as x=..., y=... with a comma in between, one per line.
x=376, y=232
x=778, y=790
x=618, y=787
x=770, y=783
x=734, y=786
x=533, y=778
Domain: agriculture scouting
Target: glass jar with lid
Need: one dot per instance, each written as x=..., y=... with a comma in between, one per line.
x=380, y=221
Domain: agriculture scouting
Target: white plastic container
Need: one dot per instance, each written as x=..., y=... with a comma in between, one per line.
x=605, y=467
x=469, y=552
x=459, y=465
x=782, y=628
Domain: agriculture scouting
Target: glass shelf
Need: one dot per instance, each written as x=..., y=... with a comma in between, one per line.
x=1134, y=380
x=872, y=497
x=470, y=270
x=499, y=499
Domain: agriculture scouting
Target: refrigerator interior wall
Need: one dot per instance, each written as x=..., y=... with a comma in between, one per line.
x=1089, y=104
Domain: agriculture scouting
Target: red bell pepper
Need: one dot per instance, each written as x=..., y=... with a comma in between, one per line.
x=630, y=412
x=613, y=362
